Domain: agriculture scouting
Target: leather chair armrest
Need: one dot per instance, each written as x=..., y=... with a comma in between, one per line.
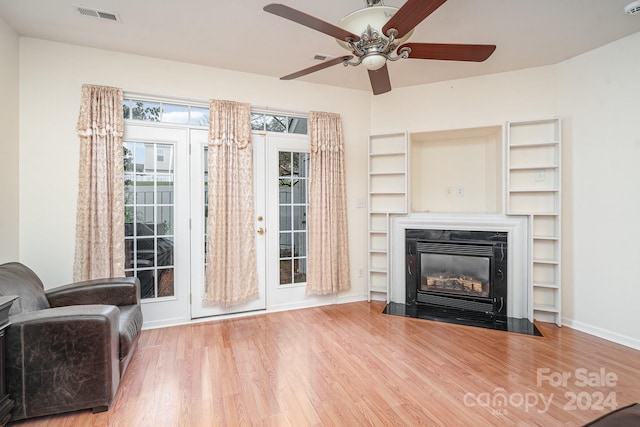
x=62, y=359
x=112, y=291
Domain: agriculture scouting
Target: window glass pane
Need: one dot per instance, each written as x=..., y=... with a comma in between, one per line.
x=199, y=116
x=164, y=157
x=126, y=108
x=297, y=125
x=165, y=282
x=148, y=111
x=300, y=270
x=275, y=123
x=128, y=251
x=299, y=217
x=286, y=271
x=285, y=245
x=172, y=113
x=144, y=216
x=285, y=218
x=164, y=223
x=285, y=163
x=300, y=244
x=285, y=191
x=164, y=251
x=257, y=121
x=299, y=191
x=128, y=220
x=144, y=189
x=127, y=151
x=147, y=283
x=303, y=164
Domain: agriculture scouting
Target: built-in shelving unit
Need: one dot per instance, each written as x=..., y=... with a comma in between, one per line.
x=533, y=183
x=387, y=192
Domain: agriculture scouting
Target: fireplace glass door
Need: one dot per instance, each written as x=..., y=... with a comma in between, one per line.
x=455, y=274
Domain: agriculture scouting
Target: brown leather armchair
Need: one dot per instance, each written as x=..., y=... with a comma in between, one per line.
x=67, y=348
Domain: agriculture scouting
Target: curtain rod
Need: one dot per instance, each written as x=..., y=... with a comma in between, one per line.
x=205, y=102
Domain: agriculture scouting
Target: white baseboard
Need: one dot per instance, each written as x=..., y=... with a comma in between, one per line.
x=272, y=309
x=351, y=298
x=602, y=333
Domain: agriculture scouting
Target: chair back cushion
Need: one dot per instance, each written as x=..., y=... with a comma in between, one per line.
x=17, y=279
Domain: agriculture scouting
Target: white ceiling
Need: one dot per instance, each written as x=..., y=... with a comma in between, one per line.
x=238, y=35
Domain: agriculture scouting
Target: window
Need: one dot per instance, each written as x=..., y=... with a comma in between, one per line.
x=278, y=123
x=293, y=185
x=149, y=212
x=184, y=114
x=137, y=109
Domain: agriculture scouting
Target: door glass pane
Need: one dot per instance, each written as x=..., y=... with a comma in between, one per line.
x=293, y=169
x=149, y=216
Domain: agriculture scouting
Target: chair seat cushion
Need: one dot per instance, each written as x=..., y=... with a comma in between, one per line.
x=130, y=327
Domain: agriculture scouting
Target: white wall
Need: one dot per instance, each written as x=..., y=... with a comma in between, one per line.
x=51, y=78
x=456, y=171
x=9, y=145
x=466, y=103
x=599, y=99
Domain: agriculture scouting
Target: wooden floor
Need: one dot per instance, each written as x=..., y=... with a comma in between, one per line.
x=350, y=365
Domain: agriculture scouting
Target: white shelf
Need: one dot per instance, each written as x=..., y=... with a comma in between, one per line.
x=387, y=192
x=533, y=167
x=533, y=187
x=387, y=173
x=546, y=308
x=546, y=261
x=534, y=190
x=546, y=285
x=534, y=144
x=390, y=154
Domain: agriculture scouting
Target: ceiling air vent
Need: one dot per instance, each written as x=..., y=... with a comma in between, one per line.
x=96, y=13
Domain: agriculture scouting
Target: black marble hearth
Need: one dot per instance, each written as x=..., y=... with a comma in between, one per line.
x=462, y=317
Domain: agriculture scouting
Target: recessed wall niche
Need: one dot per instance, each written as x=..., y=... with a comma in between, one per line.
x=456, y=171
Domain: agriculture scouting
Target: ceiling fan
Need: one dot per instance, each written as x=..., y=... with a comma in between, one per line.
x=377, y=34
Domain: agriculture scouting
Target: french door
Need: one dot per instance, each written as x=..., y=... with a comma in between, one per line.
x=287, y=183
x=156, y=166
x=199, y=209
x=166, y=211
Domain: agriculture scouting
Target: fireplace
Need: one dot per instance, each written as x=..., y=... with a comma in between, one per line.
x=459, y=269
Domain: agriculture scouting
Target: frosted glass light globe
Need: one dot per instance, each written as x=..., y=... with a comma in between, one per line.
x=374, y=61
x=376, y=16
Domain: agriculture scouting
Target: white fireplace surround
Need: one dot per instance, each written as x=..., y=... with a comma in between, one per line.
x=519, y=285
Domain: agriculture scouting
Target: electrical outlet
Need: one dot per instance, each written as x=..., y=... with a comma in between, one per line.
x=460, y=191
x=361, y=272
x=448, y=191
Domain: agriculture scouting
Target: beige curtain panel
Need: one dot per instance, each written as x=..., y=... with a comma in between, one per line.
x=231, y=272
x=328, y=241
x=99, y=250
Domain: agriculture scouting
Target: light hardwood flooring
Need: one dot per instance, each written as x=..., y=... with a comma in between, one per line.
x=350, y=365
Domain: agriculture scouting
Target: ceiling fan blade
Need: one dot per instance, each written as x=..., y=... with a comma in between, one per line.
x=449, y=52
x=380, y=82
x=317, y=67
x=310, y=21
x=411, y=14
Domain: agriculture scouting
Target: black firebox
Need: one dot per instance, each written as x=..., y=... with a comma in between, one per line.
x=459, y=269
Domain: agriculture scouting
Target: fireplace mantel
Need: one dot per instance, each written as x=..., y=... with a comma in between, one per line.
x=520, y=291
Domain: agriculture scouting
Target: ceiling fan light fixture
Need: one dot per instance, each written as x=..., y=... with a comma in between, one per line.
x=374, y=16
x=374, y=61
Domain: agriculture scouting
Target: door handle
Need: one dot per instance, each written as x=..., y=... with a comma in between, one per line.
x=260, y=231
